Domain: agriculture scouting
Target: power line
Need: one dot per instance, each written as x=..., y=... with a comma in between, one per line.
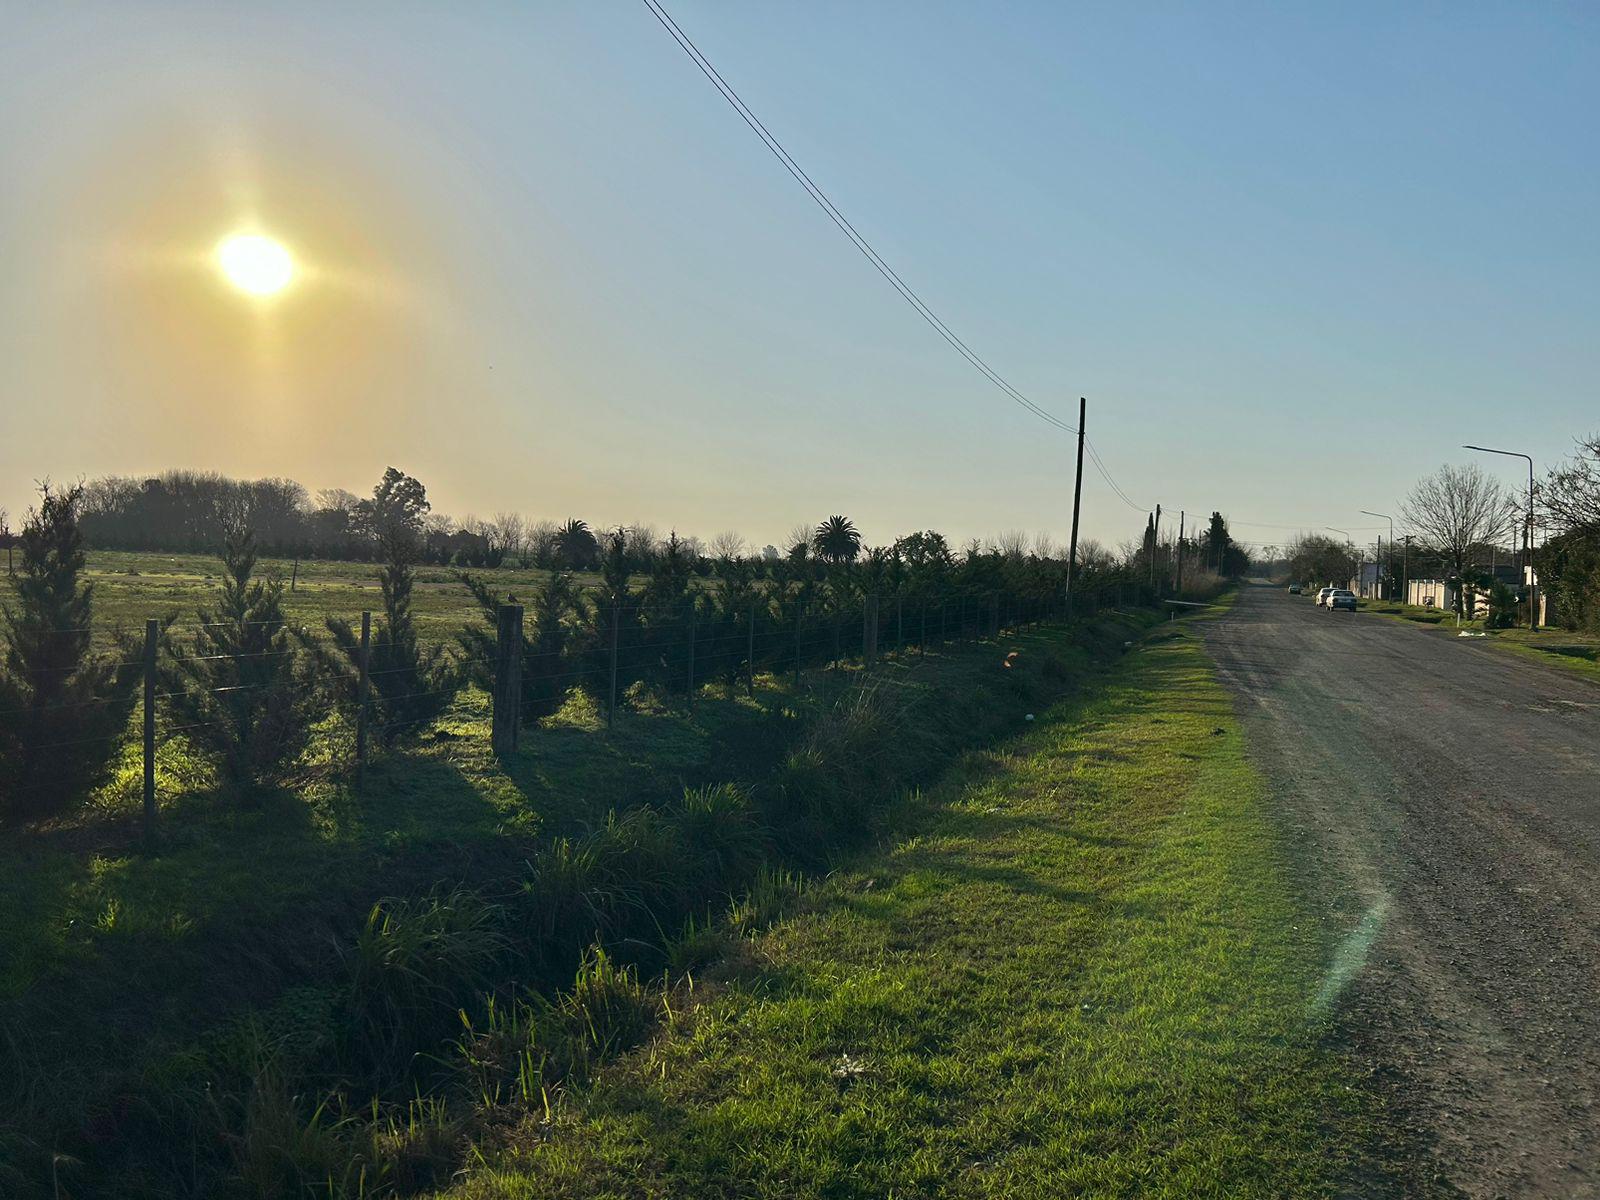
x=844, y=225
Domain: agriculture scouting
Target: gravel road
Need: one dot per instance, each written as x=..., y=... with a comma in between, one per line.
x=1446, y=797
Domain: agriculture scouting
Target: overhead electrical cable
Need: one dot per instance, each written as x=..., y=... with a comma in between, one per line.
x=844, y=225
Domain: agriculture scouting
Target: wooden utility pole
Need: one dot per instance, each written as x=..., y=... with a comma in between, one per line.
x=1155, y=541
x=1077, y=500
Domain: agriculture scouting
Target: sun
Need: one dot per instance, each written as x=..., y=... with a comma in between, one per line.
x=255, y=264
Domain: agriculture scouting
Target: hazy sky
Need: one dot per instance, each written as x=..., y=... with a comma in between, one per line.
x=1293, y=254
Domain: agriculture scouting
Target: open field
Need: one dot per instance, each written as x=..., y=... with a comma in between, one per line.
x=1078, y=966
x=132, y=586
x=143, y=996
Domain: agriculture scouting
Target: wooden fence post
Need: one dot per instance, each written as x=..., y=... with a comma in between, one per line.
x=363, y=690
x=690, y=692
x=616, y=622
x=152, y=634
x=507, y=719
x=750, y=654
x=799, y=624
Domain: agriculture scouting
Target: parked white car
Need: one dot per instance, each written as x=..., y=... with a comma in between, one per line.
x=1322, y=596
x=1341, y=598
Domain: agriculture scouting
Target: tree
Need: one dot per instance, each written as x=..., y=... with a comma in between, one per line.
x=1572, y=490
x=393, y=517
x=576, y=548
x=245, y=688
x=1457, y=510
x=725, y=545
x=7, y=539
x=836, y=540
x=1317, y=558
x=797, y=545
x=410, y=685
x=61, y=707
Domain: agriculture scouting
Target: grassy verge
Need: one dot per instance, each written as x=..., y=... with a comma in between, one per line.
x=274, y=1001
x=1080, y=970
x=1564, y=648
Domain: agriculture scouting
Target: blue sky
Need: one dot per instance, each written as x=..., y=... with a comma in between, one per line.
x=1294, y=255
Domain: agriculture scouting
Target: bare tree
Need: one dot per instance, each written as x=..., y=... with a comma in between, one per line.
x=1012, y=545
x=5, y=537
x=540, y=543
x=727, y=544
x=1045, y=547
x=1456, y=510
x=798, y=542
x=1572, y=490
x=509, y=533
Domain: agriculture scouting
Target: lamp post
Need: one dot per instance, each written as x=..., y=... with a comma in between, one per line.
x=1348, y=545
x=1388, y=518
x=1533, y=587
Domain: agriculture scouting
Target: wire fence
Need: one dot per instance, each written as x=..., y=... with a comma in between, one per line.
x=601, y=644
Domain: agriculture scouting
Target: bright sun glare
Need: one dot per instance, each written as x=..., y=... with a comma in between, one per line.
x=255, y=264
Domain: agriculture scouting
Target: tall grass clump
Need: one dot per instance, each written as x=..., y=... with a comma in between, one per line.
x=412, y=968
x=838, y=773
x=723, y=840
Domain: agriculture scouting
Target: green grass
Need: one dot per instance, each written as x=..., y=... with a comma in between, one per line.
x=126, y=978
x=1080, y=969
x=133, y=586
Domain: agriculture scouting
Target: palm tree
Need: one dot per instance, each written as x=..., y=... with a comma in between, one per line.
x=576, y=546
x=837, y=540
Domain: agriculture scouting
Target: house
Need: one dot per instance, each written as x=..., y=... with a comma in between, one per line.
x=1440, y=593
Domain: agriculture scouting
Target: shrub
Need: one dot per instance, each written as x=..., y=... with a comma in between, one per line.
x=245, y=691
x=411, y=685
x=61, y=707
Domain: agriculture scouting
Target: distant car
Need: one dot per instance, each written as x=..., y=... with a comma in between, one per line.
x=1322, y=596
x=1294, y=589
x=1341, y=598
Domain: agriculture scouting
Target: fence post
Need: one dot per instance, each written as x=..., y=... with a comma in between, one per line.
x=152, y=633
x=363, y=689
x=616, y=622
x=690, y=693
x=750, y=654
x=799, y=624
x=507, y=719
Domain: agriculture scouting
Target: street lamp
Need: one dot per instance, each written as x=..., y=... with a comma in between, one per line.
x=1349, y=545
x=1533, y=587
x=1388, y=518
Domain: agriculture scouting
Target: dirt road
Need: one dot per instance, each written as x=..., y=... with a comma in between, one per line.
x=1446, y=797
